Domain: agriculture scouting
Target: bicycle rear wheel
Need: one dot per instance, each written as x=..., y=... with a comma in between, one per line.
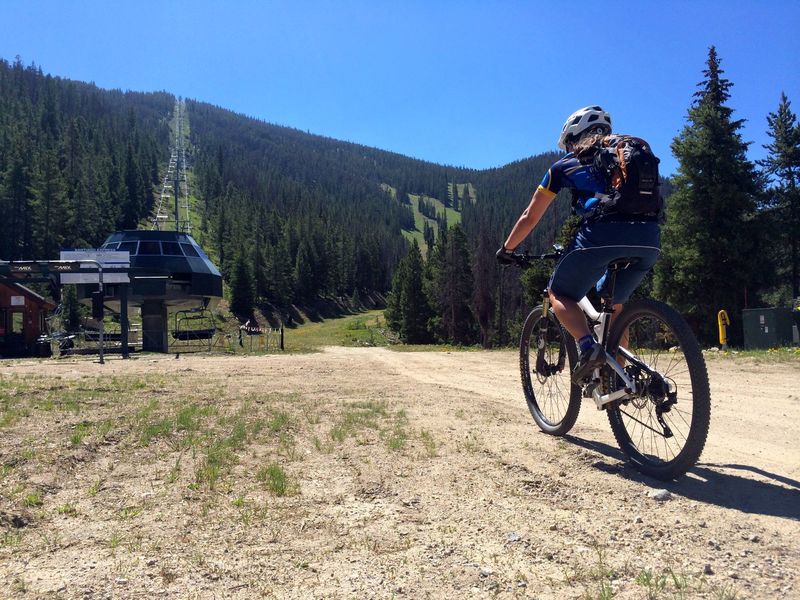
x=663, y=427
x=547, y=354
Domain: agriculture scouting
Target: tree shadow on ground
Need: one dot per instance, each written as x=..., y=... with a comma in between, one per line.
x=771, y=494
x=320, y=309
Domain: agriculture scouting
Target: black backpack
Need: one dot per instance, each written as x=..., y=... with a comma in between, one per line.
x=631, y=172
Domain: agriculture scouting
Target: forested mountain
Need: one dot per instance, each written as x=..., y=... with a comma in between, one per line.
x=76, y=162
x=307, y=215
x=291, y=216
x=317, y=216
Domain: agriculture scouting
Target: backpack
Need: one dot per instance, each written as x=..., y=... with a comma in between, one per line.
x=631, y=172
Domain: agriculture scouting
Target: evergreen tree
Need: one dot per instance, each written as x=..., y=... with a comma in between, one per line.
x=394, y=303
x=782, y=167
x=242, y=286
x=414, y=304
x=450, y=287
x=484, y=270
x=407, y=309
x=72, y=311
x=51, y=211
x=709, y=260
x=304, y=273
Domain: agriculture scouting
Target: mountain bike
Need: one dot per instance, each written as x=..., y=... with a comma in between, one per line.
x=653, y=385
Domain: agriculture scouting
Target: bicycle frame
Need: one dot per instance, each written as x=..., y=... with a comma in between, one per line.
x=601, y=332
x=601, y=327
x=638, y=392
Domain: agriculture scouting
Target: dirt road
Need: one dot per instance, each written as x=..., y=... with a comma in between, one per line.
x=370, y=473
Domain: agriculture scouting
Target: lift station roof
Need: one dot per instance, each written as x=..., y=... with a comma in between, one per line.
x=169, y=266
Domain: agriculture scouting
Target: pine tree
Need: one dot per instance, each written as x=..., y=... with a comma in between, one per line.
x=407, y=309
x=304, y=273
x=484, y=270
x=242, y=286
x=72, y=311
x=709, y=260
x=450, y=287
x=50, y=209
x=394, y=306
x=782, y=166
x=415, y=309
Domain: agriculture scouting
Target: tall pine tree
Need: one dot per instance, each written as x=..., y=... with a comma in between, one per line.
x=407, y=310
x=782, y=167
x=709, y=259
x=242, y=286
x=450, y=287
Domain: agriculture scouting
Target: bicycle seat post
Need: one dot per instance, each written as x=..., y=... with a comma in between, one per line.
x=607, y=297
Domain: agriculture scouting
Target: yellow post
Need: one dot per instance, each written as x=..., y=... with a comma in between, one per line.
x=722, y=322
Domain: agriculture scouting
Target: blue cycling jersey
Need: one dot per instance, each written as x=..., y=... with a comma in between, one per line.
x=568, y=172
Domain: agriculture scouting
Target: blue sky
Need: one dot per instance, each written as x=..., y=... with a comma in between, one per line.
x=476, y=84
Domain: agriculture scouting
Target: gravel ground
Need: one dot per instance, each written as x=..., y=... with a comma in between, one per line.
x=368, y=473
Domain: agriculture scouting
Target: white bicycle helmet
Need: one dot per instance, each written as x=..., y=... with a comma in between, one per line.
x=583, y=120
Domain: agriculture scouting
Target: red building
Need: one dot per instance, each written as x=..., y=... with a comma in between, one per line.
x=22, y=319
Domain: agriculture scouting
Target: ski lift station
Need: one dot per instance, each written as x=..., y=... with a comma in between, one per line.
x=167, y=275
x=161, y=273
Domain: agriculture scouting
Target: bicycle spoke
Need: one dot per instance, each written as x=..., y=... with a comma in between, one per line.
x=661, y=429
x=552, y=400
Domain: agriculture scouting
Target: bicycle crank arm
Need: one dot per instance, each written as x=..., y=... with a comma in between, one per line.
x=601, y=400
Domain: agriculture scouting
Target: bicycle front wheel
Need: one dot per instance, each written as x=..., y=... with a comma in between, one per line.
x=547, y=355
x=663, y=427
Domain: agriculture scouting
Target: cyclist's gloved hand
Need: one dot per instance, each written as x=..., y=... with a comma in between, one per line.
x=504, y=257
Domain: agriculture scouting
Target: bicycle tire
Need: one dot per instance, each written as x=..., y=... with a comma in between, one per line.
x=553, y=400
x=659, y=334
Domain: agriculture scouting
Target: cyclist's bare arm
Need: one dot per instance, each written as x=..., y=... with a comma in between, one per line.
x=529, y=218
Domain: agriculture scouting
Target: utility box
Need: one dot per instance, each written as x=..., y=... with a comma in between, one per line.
x=767, y=327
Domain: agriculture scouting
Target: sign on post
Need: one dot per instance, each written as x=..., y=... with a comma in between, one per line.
x=111, y=260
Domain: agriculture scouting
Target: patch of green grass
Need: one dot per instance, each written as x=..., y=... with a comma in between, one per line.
x=276, y=480
x=652, y=583
x=9, y=409
x=220, y=454
x=428, y=443
x=726, y=593
x=773, y=355
x=358, y=416
x=362, y=329
x=278, y=422
x=172, y=476
x=29, y=450
x=103, y=428
x=453, y=217
x=143, y=414
x=115, y=540
x=33, y=499
x=150, y=431
x=187, y=418
x=288, y=447
x=95, y=488
x=398, y=436
x=82, y=430
x=10, y=538
x=67, y=509
x=129, y=512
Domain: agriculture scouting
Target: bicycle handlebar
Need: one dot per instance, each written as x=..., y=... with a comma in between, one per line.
x=524, y=259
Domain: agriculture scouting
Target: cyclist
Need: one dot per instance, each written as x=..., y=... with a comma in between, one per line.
x=603, y=236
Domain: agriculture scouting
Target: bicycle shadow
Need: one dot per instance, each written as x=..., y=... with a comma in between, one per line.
x=712, y=483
